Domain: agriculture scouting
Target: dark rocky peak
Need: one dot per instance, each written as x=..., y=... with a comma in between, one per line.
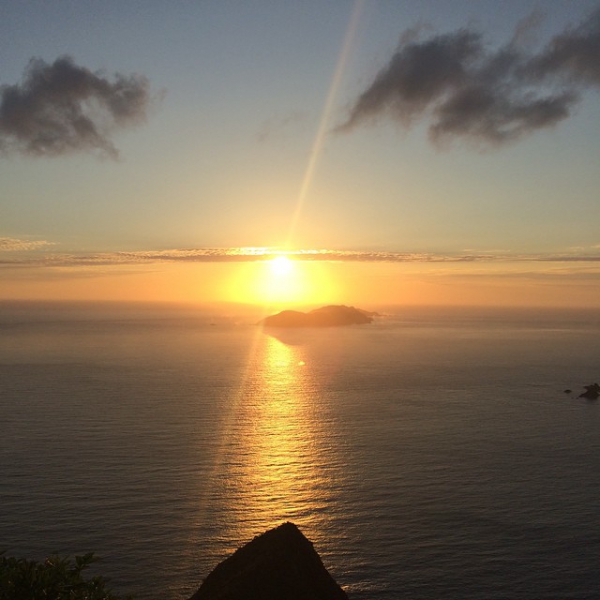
x=280, y=564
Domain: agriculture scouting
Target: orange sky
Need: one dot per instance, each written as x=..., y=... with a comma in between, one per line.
x=310, y=283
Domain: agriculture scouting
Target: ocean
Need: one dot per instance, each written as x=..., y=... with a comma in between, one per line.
x=430, y=455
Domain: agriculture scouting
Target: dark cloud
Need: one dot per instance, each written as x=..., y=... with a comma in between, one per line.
x=62, y=108
x=464, y=89
x=574, y=55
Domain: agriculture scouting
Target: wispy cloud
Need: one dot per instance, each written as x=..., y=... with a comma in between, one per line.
x=255, y=254
x=62, y=108
x=277, y=126
x=490, y=97
x=17, y=245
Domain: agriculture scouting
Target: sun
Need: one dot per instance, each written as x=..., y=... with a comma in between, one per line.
x=281, y=265
x=282, y=281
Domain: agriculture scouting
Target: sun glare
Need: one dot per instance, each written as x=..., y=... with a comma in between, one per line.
x=282, y=281
x=281, y=265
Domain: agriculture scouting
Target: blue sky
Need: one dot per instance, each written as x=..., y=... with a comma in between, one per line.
x=237, y=92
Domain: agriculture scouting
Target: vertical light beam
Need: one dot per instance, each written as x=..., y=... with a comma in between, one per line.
x=321, y=134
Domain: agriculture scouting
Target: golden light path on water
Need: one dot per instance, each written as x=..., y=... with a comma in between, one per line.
x=273, y=456
x=280, y=464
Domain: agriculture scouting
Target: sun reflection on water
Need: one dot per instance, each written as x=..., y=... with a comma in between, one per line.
x=279, y=470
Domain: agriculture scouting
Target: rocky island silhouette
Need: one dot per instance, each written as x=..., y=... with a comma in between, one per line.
x=326, y=316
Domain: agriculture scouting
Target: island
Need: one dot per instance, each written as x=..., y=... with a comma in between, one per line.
x=592, y=392
x=326, y=316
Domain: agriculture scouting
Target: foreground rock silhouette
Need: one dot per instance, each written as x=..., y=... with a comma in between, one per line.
x=280, y=564
x=326, y=316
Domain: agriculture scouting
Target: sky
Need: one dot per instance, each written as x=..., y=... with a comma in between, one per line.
x=405, y=152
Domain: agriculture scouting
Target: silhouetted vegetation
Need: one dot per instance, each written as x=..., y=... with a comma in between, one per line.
x=55, y=578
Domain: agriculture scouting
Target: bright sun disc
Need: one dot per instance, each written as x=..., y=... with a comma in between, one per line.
x=281, y=265
x=281, y=280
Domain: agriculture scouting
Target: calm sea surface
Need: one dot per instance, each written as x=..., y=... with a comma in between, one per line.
x=432, y=454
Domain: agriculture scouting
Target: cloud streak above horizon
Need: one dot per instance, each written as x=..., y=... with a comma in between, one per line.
x=17, y=245
x=257, y=254
x=62, y=108
x=489, y=97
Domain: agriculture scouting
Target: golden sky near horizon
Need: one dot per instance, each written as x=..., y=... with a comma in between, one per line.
x=299, y=283
x=198, y=133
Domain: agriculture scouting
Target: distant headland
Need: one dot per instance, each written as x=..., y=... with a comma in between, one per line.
x=326, y=316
